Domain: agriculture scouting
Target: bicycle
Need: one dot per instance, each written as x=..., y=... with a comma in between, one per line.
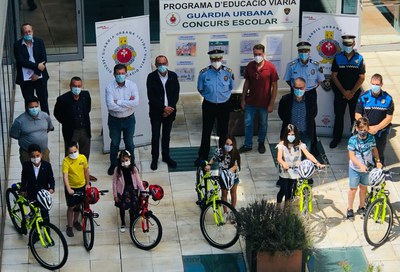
x=378, y=218
x=145, y=228
x=215, y=213
x=46, y=241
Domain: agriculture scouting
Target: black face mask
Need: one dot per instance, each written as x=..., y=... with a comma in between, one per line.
x=362, y=134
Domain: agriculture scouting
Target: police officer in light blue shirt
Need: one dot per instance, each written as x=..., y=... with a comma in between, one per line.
x=215, y=84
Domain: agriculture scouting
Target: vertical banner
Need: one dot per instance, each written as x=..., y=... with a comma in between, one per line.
x=324, y=32
x=125, y=41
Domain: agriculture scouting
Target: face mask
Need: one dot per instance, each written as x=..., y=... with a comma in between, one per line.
x=362, y=134
x=120, y=78
x=258, y=59
x=162, y=68
x=347, y=49
x=33, y=111
x=291, y=138
x=28, y=38
x=126, y=164
x=216, y=64
x=74, y=155
x=303, y=56
x=76, y=90
x=35, y=160
x=375, y=89
x=298, y=92
x=228, y=148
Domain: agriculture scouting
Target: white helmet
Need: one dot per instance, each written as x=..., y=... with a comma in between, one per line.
x=45, y=199
x=306, y=169
x=376, y=177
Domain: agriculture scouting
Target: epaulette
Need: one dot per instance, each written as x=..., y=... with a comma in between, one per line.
x=227, y=69
x=293, y=62
x=205, y=69
x=314, y=62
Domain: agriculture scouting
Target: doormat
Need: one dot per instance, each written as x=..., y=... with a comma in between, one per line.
x=185, y=157
x=232, y=262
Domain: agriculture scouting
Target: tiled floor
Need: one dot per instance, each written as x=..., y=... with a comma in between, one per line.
x=114, y=251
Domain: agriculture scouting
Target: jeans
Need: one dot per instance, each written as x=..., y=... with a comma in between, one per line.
x=250, y=111
x=127, y=127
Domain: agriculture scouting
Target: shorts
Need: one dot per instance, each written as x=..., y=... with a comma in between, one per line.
x=222, y=184
x=75, y=200
x=357, y=178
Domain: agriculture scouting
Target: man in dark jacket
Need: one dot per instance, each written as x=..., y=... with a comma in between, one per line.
x=163, y=94
x=72, y=111
x=30, y=55
x=295, y=109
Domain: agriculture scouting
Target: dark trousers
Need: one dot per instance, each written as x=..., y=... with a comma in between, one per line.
x=340, y=105
x=380, y=139
x=212, y=112
x=28, y=90
x=312, y=94
x=286, y=189
x=156, y=123
x=81, y=137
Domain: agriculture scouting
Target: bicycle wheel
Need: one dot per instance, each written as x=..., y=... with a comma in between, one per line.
x=219, y=226
x=88, y=231
x=146, y=232
x=53, y=253
x=306, y=201
x=378, y=221
x=16, y=211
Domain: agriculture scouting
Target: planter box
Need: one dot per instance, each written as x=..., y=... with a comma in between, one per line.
x=279, y=262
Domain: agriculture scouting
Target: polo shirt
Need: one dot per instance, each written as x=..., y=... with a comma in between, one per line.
x=375, y=108
x=348, y=70
x=76, y=170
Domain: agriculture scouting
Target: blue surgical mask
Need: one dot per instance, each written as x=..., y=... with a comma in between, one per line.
x=298, y=92
x=33, y=111
x=76, y=90
x=120, y=78
x=347, y=49
x=28, y=38
x=291, y=138
x=162, y=68
x=228, y=148
x=362, y=134
x=303, y=56
x=375, y=88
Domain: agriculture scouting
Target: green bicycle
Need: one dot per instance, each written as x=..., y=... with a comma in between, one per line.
x=217, y=219
x=378, y=218
x=46, y=241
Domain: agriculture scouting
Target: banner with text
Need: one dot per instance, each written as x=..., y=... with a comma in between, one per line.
x=324, y=32
x=125, y=41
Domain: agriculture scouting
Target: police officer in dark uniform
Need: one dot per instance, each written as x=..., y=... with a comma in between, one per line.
x=348, y=73
x=377, y=105
x=215, y=84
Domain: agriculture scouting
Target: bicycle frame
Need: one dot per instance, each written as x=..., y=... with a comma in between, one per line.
x=144, y=209
x=377, y=193
x=299, y=192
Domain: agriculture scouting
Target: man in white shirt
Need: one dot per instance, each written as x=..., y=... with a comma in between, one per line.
x=122, y=96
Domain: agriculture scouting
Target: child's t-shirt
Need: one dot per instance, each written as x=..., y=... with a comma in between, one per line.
x=292, y=156
x=362, y=149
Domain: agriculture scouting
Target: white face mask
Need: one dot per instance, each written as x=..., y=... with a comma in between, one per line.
x=74, y=155
x=216, y=64
x=228, y=148
x=258, y=59
x=36, y=160
x=126, y=164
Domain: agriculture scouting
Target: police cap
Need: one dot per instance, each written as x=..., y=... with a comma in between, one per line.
x=216, y=53
x=348, y=39
x=303, y=46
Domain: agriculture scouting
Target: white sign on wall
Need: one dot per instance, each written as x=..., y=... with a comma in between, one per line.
x=125, y=41
x=324, y=32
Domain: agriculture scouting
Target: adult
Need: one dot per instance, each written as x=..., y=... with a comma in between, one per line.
x=163, y=94
x=122, y=96
x=348, y=73
x=32, y=127
x=377, y=105
x=75, y=171
x=259, y=92
x=30, y=55
x=300, y=110
x=215, y=84
x=72, y=111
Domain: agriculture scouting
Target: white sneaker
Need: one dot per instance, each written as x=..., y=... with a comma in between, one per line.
x=122, y=229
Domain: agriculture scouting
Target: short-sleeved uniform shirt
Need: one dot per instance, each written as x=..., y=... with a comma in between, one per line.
x=260, y=83
x=215, y=86
x=292, y=156
x=348, y=70
x=75, y=170
x=362, y=149
x=375, y=108
x=311, y=72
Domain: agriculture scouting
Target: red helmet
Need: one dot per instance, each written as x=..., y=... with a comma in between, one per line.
x=145, y=184
x=156, y=192
x=92, y=195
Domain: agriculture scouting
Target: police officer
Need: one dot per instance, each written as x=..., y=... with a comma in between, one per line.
x=348, y=73
x=308, y=69
x=215, y=84
x=377, y=105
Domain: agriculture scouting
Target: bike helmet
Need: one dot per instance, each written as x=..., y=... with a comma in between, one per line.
x=156, y=191
x=376, y=177
x=45, y=199
x=92, y=195
x=306, y=169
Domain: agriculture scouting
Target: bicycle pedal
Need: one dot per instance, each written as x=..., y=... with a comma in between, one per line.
x=95, y=215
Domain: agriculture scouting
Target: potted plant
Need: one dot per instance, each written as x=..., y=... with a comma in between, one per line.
x=273, y=235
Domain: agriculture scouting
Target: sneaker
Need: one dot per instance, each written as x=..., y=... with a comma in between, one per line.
x=122, y=229
x=110, y=170
x=78, y=226
x=245, y=149
x=153, y=165
x=334, y=143
x=361, y=211
x=261, y=148
x=232, y=218
x=171, y=163
x=350, y=214
x=226, y=217
x=69, y=232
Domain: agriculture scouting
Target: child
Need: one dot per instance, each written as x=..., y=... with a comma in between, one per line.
x=362, y=148
x=290, y=150
x=229, y=165
x=127, y=186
